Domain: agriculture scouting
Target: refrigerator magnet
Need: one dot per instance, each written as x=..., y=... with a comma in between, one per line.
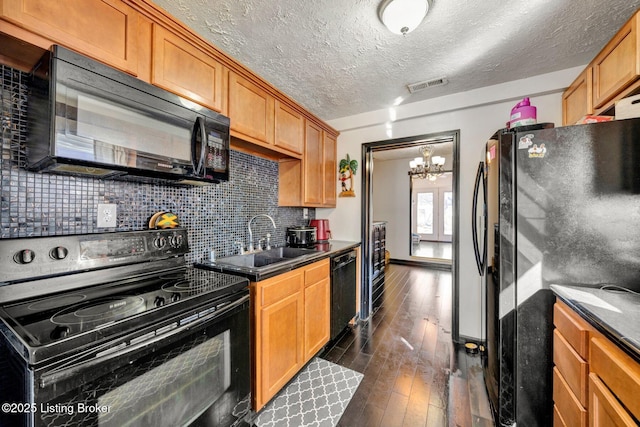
x=537, y=151
x=526, y=141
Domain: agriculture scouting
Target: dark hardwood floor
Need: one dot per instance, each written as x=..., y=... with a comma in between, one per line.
x=413, y=374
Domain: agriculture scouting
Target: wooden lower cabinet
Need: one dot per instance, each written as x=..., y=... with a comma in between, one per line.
x=594, y=382
x=281, y=342
x=605, y=410
x=290, y=324
x=317, y=300
x=570, y=354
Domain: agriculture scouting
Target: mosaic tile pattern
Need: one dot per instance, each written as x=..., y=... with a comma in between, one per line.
x=33, y=204
x=317, y=397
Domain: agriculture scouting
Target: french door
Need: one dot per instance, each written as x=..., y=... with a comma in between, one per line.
x=433, y=214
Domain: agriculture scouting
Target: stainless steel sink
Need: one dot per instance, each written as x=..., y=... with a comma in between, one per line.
x=269, y=259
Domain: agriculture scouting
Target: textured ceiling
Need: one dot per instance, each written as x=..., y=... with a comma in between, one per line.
x=336, y=58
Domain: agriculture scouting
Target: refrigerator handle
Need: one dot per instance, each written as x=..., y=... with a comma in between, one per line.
x=474, y=212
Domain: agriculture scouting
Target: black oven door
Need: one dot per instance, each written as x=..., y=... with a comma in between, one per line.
x=192, y=370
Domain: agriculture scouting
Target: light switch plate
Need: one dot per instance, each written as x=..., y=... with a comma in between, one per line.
x=305, y=213
x=107, y=214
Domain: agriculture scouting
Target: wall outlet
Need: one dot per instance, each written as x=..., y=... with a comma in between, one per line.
x=305, y=213
x=107, y=214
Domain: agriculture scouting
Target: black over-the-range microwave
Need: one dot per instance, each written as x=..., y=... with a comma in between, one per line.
x=86, y=118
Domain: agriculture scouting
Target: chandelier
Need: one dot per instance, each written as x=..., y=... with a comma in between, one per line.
x=428, y=166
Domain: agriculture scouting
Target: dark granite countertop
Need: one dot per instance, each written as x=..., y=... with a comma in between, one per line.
x=614, y=312
x=325, y=250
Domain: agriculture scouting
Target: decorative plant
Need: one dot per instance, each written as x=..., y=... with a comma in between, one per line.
x=348, y=169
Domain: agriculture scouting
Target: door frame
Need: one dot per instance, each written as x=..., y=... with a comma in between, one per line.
x=367, y=216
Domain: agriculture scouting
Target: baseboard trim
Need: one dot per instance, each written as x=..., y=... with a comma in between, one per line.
x=422, y=264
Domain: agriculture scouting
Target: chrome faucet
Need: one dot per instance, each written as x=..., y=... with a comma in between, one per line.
x=251, y=232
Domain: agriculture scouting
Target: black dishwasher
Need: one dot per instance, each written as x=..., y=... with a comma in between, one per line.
x=343, y=291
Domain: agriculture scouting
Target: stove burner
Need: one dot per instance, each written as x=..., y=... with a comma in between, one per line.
x=185, y=285
x=49, y=303
x=101, y=310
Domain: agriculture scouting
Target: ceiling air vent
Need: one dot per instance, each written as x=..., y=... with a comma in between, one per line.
x=417, y=87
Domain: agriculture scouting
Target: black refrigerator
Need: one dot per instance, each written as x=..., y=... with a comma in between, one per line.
x=552, y=205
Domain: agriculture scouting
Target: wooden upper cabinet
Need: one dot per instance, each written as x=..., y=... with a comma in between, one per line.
x=312, y=166
x=102, y=29
x=330, y=172
x=617, y=65
x=251, y=110
x=577, y=100
x=312, y=181
x=180, y=67
x=289, y=128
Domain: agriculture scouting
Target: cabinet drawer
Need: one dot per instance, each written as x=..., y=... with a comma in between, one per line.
x=316, y=272
x=618, y=371
x=280, y=287
x=557, y=419
x=605, y=409
x=568, y=406
x=573, y=328
x=574, y=369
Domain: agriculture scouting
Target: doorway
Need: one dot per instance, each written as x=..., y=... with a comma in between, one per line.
x=402, y=252
x=431, y=206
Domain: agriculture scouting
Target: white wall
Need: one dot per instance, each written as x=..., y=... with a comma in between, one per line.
x=477, y=114
x=391, y=203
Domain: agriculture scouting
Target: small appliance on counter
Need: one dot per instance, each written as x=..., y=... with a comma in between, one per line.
x=301, y=236
x=323, y=232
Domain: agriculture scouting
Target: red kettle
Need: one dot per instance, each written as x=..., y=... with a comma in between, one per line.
x=323, y=233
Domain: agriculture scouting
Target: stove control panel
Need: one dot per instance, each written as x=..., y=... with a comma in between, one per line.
x=29, y=258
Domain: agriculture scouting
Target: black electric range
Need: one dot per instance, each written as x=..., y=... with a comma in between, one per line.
x=77, y=310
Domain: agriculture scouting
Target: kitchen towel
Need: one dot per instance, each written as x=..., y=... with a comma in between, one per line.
x=317, y=397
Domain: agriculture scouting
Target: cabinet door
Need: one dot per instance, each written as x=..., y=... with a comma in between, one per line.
x=317, y=299
x=604, y=408
x=102, y=29
x=617, y=65
x=577, y=100
x=313, y=171
x=251, y=110
x=289, y=128
x=282, y=344
x=330, y=170
x=182, y=68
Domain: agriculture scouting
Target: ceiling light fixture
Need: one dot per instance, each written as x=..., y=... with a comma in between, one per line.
x=428, y=166
x=402, y=16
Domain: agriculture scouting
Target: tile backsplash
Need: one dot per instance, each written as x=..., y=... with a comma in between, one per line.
x=216, y=216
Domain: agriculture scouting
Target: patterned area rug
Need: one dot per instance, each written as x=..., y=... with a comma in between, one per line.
x=317, y=397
